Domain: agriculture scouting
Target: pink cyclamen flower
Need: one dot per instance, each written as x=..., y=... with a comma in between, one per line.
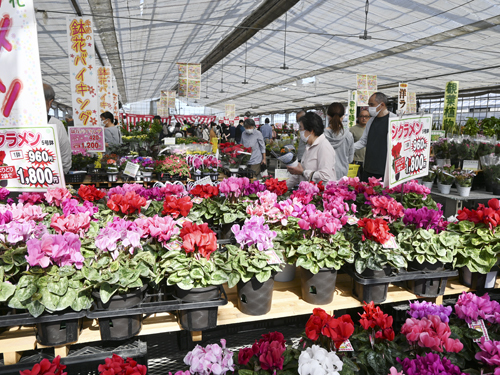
x=56, y=196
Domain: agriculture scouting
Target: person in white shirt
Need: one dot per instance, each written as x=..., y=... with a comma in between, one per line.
x=62, y=135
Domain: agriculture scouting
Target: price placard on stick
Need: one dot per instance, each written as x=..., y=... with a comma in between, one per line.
x=30, y=159
x=89, y=138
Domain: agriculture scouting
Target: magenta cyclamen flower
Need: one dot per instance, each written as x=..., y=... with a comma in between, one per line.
x=71, y=206
x=119, y=235
x=412, y=187
x=234, y=186
x=4, y=193
x=254, y=188
x=213, y=359
x=422, y=309
x=31, y=198
x=315, y=220
x=62, y=250
x=471, y=308
x=425, y=218
x=254, y=232
x=431, y=364
x=490, y=354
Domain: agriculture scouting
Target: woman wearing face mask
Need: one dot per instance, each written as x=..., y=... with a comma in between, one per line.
x=318, y=162
x=341, y=139
x=112, y=133
x=254, y=139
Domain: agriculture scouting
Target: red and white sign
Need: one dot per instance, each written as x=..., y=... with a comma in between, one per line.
x=21, y=92
x=83, y=71
x=89, y=138
x=194, y=118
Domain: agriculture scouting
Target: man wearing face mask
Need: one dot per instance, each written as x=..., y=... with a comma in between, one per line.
x=254, y=139
x=375, y=137
x=302, y=142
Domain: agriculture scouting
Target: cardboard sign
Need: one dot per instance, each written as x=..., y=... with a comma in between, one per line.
x=408, y=149
x=470, y=165
x=33, y=153
x=82, y=71
x=131, y=169
x=89, y=138
x=281, y=174
x=21, y=91
x=403, y=98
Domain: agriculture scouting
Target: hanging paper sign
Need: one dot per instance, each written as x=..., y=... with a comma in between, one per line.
x=391, y=243
x=30, y=159
x=203, y=181
x=346, y=346
x=114, y=90
x=408, y=148
x=169, y=141
x=351, y=111
x=230, y=111
x=82, y=71
x=131, y=169
x=21, y=92
x=470, y=165
x=403, y=98
x=412, y=102
x=450, y=106
x=104, y=89
x=167, y=101
x=366, y=85
x=89, y=138
x=189, y=80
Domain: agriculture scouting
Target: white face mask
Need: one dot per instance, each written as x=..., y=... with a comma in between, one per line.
x=103, y=122
x=303, y=136
x=373, y=111
x=249, y=131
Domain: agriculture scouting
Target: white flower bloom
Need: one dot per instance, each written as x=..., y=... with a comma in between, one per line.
x=318, y=361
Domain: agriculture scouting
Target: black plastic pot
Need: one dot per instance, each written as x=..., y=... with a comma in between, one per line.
x=488, y=185
x=496, y=189
x=58, y=333
x=478, y=281
x=254, y=297
x=120, y=328
x=426, y=266
x=372, y=292
x=318, y=289
x=426, y=287
x=199, y=319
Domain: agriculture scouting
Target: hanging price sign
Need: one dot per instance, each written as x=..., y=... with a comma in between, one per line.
x=89, y=138
x=30, y=158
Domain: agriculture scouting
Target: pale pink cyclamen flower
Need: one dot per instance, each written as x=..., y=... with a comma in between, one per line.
x=56, y=196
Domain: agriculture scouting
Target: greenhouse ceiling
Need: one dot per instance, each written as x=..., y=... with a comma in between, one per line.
x=423, y=42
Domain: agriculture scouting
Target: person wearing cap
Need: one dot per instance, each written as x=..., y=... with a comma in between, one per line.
x=254, y=139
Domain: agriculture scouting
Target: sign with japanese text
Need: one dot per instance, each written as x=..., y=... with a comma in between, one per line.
x=114, y=90
x=450, y=106
x=412, y=102
x=88, y=138
x=131, y=169
x=408, y=149
x=436, y=134
x=21, y=91
x=189, y=80
x=83, y=71
x=366, y=86
x=403, y=98
x=105, y=89
x=167, y=101
x=230, y=111
x=30, y=159
x=351, y=108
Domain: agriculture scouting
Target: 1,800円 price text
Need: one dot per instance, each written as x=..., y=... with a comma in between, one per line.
x=37, y=176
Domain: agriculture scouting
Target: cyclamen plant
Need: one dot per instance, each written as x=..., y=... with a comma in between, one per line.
x=429, y=364
x=422, y=309
x=318, y=361
x=212, y=359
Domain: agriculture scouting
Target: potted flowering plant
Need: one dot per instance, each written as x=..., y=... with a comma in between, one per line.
x=428, y=181
x=441, y=151
x=116, y=365
x=463, y=181
x=253, y=265
x=268, y=356
x=196, y=269
x=445, y=178
x=467, y=149
x=172, y=167
x=146, y=165
x=213, y=359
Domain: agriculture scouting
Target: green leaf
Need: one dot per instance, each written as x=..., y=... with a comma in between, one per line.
x=360, y=265
x=196, y=273
x=466, y=226
x=24, y=294
x=81, y=303
x=49, y=300
x=262, y=277
x=25, y=280
x=35, y=308
x=245, y=372
x=66, y=300
x=6, y=291
x=304, y=263
x=186, y=284
x=233, y=279
x=229, y=218
x=59, y=287
x=106, y=291
x=218, y=277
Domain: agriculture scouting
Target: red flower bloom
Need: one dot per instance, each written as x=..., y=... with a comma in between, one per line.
x=90, y=193
x=177, y=206
x=118, y=366
x=45, y=367
x=204, y=191
x=396, y=150
x=127, y=204
x=244, y=355
x=271, y=357
x=338, y=329
x=276, y=186
x=489, y=216
x=315, y=323
x=374, y=318
x=198, y=238
x=2, y=157
x=375, y=229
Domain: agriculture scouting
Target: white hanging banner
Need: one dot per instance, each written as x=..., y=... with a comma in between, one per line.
x=403, y=98
x=21, y=91
x=105, y=89
x=114, y=91
x=82, y=71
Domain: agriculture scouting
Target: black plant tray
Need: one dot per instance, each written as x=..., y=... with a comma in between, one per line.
x=165, y=302
x=401, y=276
x=11, y=318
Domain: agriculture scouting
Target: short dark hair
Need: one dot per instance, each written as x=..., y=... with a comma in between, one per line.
x=249, y=122
x=241, y=121
x=157, y=118
x=380, y=98
x=312, y=123
x=267, y=121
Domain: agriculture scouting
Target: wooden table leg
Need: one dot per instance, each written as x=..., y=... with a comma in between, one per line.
x=196, y=335
x=11, y=358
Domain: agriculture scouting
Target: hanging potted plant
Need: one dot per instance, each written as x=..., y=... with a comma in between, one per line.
x=320, y=250
x=463, y=181
x=196, y=269
x=253, y=265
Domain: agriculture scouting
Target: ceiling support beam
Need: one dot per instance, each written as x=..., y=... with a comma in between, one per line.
x=106, y=28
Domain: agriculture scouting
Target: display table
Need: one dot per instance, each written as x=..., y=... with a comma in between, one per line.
x=287, y=302
x=453, y=202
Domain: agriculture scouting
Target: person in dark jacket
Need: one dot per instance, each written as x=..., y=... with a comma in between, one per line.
x=239, y=131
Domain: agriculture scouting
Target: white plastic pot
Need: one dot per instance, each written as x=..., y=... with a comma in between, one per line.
x=428, y=184
x=463, y=191
x=444, y=189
